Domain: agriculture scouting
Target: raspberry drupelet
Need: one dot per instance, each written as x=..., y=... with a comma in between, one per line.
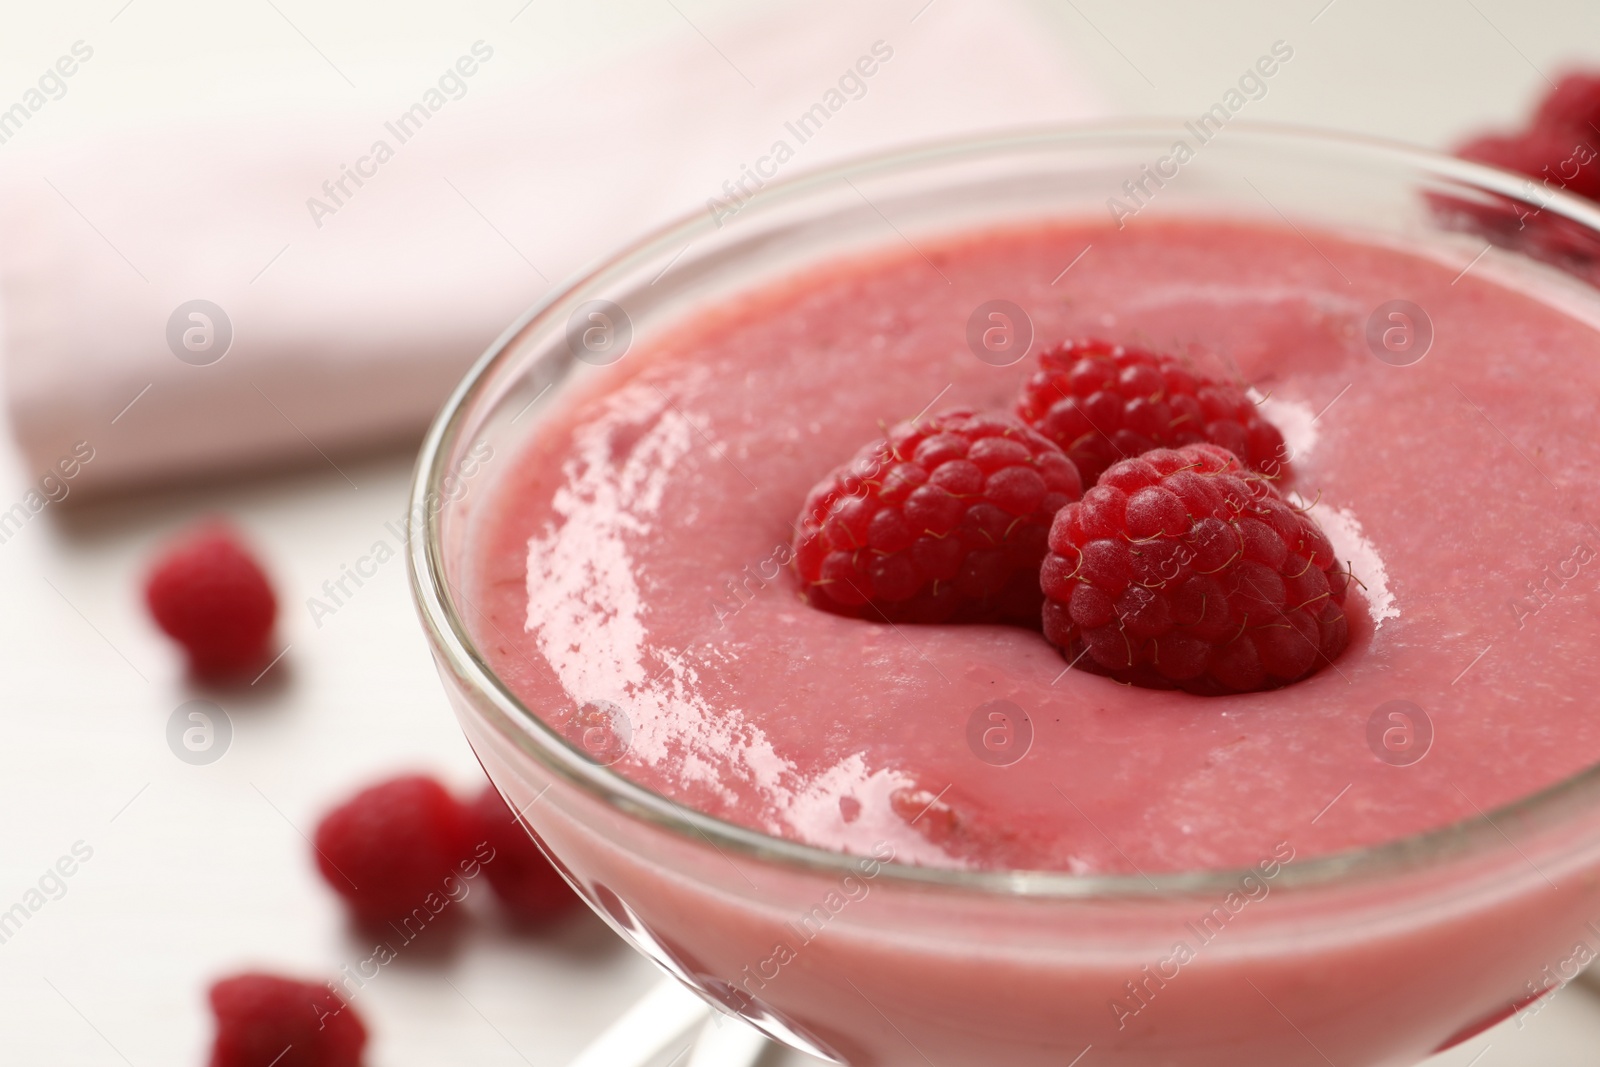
x=944, y=520
x=1103, y=402
x=1182, y=569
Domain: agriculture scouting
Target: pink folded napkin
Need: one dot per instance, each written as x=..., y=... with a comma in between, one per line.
x=196, y=298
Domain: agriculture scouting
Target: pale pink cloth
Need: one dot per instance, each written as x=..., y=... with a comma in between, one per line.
x=352, y=333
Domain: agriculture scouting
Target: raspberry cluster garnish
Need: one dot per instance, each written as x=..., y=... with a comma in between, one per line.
x=1103, y=403
x=264, y=1020
x=943, y=520
x=209, y=594
x=1183, y=569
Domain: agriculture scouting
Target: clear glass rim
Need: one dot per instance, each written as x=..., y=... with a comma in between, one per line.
x=452, y=641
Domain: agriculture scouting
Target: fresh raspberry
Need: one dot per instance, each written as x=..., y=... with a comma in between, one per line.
x=267, y=1021
x=210, y=595
x=943, y=520
x=1556, y=157
x=1573, y=105
x=524, y=880
x=389, y=849
x=1559, y=150
x=1552, y=160
x=1181, y=569
x=1103, y=402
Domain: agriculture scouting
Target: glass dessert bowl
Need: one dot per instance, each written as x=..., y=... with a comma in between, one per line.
x=1139, y=886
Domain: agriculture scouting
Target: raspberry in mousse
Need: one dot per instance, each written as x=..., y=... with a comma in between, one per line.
x=944, y=519
x=1183, y=569
x=1103, y=402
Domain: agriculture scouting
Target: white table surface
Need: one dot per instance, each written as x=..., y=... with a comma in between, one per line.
x=197, y=871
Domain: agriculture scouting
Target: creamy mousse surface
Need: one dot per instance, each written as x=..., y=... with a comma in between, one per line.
x=632, y=558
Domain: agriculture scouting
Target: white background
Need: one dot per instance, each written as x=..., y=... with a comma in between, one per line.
x=201, y=870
